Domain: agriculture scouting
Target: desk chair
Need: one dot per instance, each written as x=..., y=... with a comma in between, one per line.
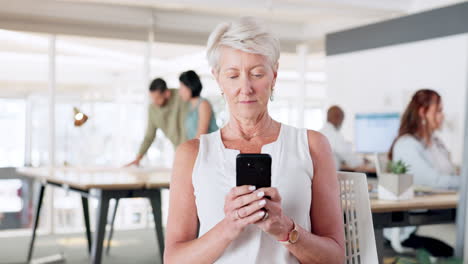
x=359, y=229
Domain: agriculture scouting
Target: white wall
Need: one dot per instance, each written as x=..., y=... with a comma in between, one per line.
x=384, y=79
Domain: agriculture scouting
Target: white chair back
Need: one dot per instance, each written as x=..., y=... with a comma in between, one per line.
x=359, y=229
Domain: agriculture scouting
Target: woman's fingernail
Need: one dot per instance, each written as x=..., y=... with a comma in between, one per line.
x=262, y=213
x=260, y=194
x=252, y=188
x=262, y=203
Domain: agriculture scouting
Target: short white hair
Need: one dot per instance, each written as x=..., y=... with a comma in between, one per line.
x=247, y=34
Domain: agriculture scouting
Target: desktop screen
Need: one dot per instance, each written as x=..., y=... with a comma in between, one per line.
x=375, y=132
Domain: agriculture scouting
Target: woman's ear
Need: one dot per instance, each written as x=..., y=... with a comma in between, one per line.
x=275, y=74
x=215, y=74
x=421, y=113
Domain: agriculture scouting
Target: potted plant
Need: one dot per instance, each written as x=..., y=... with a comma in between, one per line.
x=424, y=257
x=396, y=183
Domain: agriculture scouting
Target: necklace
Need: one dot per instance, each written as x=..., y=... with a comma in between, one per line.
x=249, y=137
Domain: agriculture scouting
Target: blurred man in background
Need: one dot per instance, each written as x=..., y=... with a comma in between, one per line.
x=167, y=112
x=342, y=150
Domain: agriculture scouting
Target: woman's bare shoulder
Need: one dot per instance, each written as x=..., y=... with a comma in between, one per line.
x=317, y=140
x=189, y=146
x=319, y=147
x=186, y=153
x=204, y=106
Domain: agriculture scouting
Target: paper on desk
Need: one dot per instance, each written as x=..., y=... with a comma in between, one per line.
x=431, y=190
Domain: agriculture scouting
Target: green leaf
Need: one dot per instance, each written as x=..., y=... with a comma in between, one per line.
x=397, y=167
x=423, y=256
x=405, y=260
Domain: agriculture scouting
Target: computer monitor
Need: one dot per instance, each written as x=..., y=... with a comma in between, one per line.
x=375, y=132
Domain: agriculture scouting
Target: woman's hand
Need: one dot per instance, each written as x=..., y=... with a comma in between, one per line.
x=242, y=207
x=276, y=223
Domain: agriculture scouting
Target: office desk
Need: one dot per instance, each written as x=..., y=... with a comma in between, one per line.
x=103, y=184
x=431, y=209
x=107, y=183
x=421, y=210
x=365, y=169
x=369, y=170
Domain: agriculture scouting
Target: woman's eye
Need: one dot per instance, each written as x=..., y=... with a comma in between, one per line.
x=258, y=75
x=233, y=77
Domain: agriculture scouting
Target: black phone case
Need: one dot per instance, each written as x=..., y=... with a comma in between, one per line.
x=253, y=169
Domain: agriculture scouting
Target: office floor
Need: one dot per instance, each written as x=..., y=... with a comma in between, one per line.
x=446, y=232
x=134, y=246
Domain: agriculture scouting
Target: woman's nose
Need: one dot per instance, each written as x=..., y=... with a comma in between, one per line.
x=246, y=85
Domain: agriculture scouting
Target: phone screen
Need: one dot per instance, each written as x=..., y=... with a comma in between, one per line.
x=253, y=169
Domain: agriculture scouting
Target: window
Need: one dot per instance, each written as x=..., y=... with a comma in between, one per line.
x=313, y=118
x=12, y=132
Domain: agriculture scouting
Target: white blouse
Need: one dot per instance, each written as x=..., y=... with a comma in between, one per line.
x=214, y=174
x=430, y=165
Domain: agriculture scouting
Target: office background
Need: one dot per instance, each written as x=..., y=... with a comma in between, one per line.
x=105, y=52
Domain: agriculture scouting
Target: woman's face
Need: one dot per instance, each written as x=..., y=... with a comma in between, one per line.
x=184, y=92
x=434, y=116
x=247, y=81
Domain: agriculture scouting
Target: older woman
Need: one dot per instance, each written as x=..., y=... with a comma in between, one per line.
x=303, y=220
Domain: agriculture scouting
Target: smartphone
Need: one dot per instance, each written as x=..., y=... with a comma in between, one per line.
x=253, y=169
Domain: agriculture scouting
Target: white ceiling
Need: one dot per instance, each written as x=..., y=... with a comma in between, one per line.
x=88, y=30
x=191, y=21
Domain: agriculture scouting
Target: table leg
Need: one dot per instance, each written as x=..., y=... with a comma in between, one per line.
x=155, y=199
x=101, y=221
x=111, y=231
x=37, y=213
x=84, y=201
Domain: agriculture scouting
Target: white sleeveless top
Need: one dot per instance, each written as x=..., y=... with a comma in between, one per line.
x=214, y=174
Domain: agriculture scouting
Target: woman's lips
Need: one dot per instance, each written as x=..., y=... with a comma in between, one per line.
x=247, y=101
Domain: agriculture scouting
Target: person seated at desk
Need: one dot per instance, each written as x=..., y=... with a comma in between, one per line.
x=299, y=218
x=200, y=118
x=418, y=146
x=428, y=159
x=342, y=150
x=167, y=112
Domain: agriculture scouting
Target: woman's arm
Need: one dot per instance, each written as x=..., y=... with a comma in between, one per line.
x=204, y=117
x=182, y=245
x=325, y=244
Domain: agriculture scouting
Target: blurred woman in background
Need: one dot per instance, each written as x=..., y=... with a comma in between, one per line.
x=200, y=117
x=427, y=158
x=418, y=146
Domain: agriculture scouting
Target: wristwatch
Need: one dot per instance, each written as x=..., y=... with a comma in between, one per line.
x=293, y=236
